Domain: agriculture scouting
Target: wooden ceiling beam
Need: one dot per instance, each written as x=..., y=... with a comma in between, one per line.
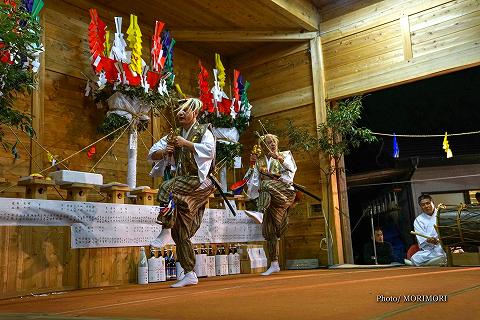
x=302, y=12
x=241, y=36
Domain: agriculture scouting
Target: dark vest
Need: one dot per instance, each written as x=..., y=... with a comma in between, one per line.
x=184, y=158
x=276, y=167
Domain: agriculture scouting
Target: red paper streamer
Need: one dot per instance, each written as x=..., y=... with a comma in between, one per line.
x=132, y=80
x=157, y=60
x=205, y=95
x=91, y=152
x=236, y=93
x=96, y=35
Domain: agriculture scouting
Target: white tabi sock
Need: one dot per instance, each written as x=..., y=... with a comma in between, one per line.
x=190, y=279
x=274, y=267
x=163, y=238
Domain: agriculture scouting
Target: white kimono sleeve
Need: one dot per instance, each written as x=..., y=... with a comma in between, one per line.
x=424, y=226
x=158, y=165
x=204, y=154
x=289, y=163
x=253, y=184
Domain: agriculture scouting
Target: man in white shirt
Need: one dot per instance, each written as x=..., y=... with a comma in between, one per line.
x=190, y=152
x=271, y=185
x=431, y=252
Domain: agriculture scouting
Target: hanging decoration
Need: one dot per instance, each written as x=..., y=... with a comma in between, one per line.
x=91, y=152
x=129, y=86
x=134, y=37
x=221, y=71
x=396, y=150
x=122, y=70
x=226, y=115
x=205, y=95
x=20, y=50
x=236, y=91
x=158, y=59
x=52, y=159
x=167, y=43
x=446, y=146
x=180, y=92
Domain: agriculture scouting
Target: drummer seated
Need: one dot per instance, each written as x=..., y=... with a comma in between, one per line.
x=383, y=249
x=431, y=252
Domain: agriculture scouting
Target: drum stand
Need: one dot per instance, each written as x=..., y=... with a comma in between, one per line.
x=373, y=236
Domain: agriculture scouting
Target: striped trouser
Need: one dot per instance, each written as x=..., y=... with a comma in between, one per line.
x=274, y=199
x=185, y=220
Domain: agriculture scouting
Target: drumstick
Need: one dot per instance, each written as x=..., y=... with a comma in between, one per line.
x=419, y=234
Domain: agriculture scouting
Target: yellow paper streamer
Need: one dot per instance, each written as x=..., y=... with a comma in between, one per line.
x=221, y=71
x=134, y=37
x=446, y=146
x=107, y=44
x=179, y=90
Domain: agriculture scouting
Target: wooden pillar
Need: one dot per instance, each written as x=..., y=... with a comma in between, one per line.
x=37, y=108
x=328, y=182
x=344, y=212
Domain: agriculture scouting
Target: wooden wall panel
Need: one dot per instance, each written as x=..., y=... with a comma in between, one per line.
x=28, y=265
x=412, y=40
x=444, y=27
x=371, y=16
x=11, y=169
x=107, y=266
x=279, y=76
x=333, y=9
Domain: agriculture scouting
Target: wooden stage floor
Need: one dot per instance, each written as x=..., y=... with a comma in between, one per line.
x=306, y=294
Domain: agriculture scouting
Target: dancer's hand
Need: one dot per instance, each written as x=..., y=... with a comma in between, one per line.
x=184, y=143
x=278, y=156
x=170, y=148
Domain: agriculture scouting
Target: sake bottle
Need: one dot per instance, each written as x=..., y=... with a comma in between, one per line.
x=152, y=267
x=161, y=267
x=173, y=268
x=168, y=268
x=231, y=268
x=143, y=267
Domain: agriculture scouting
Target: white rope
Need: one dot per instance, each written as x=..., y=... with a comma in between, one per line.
x=418, y=180
x=425, y=135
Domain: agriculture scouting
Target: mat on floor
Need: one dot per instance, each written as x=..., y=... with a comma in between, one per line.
x=365, y=266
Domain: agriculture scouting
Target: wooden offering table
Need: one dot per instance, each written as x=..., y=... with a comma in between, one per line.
x=217, y=202
x=115, y=191
x=240, y=201
x=145, y=195
x=77, y=191
x=36, y=187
